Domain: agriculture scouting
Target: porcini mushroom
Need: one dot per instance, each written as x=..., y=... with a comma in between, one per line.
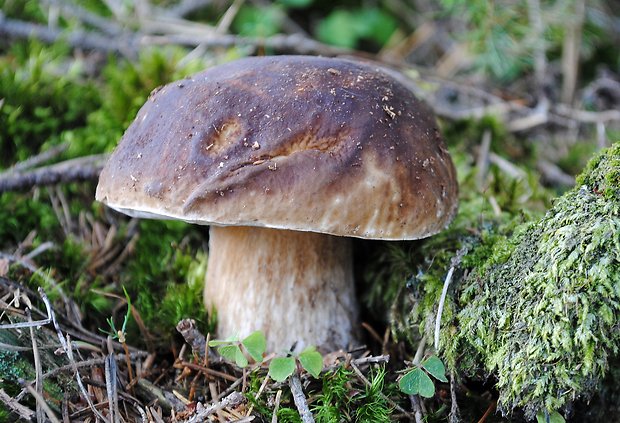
x=286, y=158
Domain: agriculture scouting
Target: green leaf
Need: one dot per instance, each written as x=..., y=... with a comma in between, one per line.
x=217, y=343
x=375, y=24
x=281, y=367
x=338, y=28
x=417, y=382
x=554, y=417
x=240, y=358
x=258, y=21
x=233, y=339
x=229, y=352
x=312, y=361
x=256, y=344
x=435, y=367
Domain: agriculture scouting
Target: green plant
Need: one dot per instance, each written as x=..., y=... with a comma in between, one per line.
x=553, y=417
x=332, y=403
x=349, y=27
x=417, y=381
x=236, y=350
x=504, y=35
x=119, y=333
x=43, y=96
x=371, y=405
x=540, y=312
x=280, y=368
x=253, y=346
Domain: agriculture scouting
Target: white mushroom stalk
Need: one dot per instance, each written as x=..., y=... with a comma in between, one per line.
x=297, y=287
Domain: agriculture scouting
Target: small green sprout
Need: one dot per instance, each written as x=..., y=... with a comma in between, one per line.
x=113, y=332
x=546, y=417
x=417, y=381
x=310, y=360
x=254, y=345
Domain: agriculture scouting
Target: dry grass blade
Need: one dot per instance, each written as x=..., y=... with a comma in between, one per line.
x=111, y=387
x=70, y=306
x=67, y=348
x=41, y=402
x=37, y=368
x=274, y=419
x=31, y=323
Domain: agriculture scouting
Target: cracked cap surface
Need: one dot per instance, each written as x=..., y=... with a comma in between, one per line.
x=292, y=142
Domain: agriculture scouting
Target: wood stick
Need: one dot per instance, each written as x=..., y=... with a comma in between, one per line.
x=300, y=399
x=80, y=169
x=232, y=400
x=22, y=411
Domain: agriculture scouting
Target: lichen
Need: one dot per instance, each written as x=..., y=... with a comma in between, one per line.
x=541, y=312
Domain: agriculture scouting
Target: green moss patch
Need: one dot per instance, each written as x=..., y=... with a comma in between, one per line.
x=541, y=312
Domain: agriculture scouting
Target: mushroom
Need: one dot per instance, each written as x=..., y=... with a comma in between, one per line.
x=287, y=158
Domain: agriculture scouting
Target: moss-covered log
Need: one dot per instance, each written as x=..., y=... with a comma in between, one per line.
x=541, y=313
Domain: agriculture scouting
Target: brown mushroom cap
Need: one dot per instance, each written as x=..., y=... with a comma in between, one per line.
x=292, y=142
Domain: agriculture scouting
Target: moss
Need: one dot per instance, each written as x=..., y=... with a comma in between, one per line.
x=12, y=370
x=165, y=280
x=42, y=98
x=541, y=312
x=16, y=368
x=602, y=174
x=403, y=281
x=371, y=405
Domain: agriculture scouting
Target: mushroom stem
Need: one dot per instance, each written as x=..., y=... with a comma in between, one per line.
x=297, y=287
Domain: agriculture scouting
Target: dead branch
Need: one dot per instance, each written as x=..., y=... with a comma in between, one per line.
x=232, y=400
x=585, y=116
x=44, y=406
x=164, y=399
x=25, y=413
x=70, y=327
x=294, y=43
x=71, y=308
x=13, y=28
x=80, y=169
x=187, y=328
x=129, y=43
x=300, y=399
x=40, y=158
x=30, y=323
x=553, y=174
x=104, y=25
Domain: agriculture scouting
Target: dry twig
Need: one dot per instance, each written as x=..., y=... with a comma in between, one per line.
x=80, y=169
x=22, y=411
x=37, y=369
x=232, y=400
x=44, y=407
x=300, y=399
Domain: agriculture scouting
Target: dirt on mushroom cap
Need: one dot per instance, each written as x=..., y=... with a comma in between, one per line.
x=294, y=142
